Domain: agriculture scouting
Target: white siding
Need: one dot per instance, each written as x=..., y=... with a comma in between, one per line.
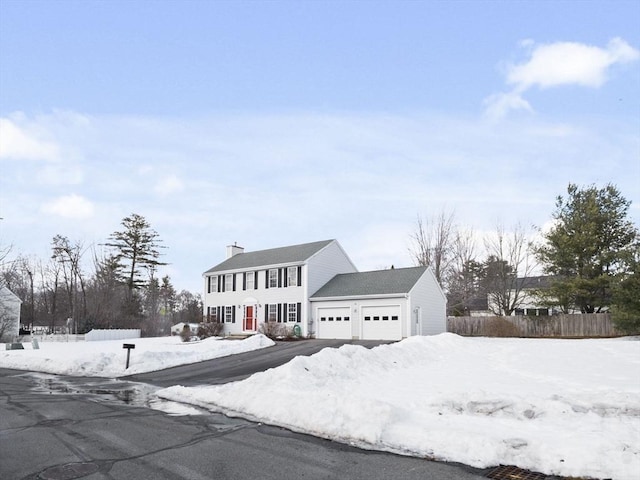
x=326, y=264
x=428, y=306
x=259, y=298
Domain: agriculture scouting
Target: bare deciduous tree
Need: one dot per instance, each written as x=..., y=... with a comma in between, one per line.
x=432, y=244
x=509, y=261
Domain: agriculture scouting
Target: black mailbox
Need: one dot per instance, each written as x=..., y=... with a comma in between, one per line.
x=128, y=346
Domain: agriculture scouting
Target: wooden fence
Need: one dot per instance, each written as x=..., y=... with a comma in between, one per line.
x=571, y=326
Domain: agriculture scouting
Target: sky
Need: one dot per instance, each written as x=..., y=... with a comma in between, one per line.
x=276, y=123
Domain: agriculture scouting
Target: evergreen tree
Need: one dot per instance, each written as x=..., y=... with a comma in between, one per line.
x=587, y=246
x=137, y=247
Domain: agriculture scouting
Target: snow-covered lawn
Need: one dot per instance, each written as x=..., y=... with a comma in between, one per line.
x=108, y=358
x=564, y=407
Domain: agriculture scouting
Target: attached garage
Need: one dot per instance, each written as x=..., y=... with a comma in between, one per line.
x=379, y=305
x=381, y=322
x=334, y=323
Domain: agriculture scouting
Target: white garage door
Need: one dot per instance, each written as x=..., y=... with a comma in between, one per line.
x=334, y=323
x=381, y=323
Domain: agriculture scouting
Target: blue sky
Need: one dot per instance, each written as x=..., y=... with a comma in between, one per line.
x=274, y=123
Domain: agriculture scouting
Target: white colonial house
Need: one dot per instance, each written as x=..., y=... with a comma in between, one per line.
x=316, y=287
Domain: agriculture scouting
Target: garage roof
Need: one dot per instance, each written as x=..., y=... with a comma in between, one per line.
x=378, y=282
x=273, y=256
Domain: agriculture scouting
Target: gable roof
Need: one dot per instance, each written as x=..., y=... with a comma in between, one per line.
x=8, y=296
x=527, y=283
x=377, y=282
x=272, y=256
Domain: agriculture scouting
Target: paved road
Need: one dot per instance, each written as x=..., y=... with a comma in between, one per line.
x=238, y=367
x=65, y=436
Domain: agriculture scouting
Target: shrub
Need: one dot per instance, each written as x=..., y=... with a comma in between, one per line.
x=500, y=327
x=210, y=329
x=185, y=333
x=273, y=330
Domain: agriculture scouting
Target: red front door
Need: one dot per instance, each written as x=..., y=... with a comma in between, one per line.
x=249, y=319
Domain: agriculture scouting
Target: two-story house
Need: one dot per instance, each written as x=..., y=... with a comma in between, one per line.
x=316, y=287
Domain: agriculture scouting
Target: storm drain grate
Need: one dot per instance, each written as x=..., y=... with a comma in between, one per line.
x=508, y=472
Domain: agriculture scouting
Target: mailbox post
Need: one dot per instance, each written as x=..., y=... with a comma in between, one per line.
x=128, y=346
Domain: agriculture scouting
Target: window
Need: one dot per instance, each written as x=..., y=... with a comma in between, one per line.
x=213, y=314
x=331, y=319
x=228, y=282
x=213, y=284
x=394, y=317
x=367, y=319
x=338, y=319
x=323, y=319
x=228, y=314
x=292, y=276
x=249, y=282
x=346, y=319
x=385, y=318
x=272, y=315
x=273, y=278
x=376, y=318
x=292, y=312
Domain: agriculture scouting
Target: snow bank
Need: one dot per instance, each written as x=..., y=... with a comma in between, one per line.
x=564, y=407
x=108, y=358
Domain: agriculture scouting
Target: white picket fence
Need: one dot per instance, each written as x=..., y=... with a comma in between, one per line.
x=112, y=334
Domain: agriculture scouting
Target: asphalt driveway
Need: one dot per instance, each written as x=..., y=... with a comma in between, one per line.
x=238, y=367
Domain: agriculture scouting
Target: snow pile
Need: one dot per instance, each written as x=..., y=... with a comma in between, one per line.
x=108, y=358
x=564, y=407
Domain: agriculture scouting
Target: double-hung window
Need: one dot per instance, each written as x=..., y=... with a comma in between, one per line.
x=292, y=312
x=213, y=284
x=273, y=278
x=228, y=314
x=292, y=276
x=250, y=278
x=273, y=312
x=228, y=282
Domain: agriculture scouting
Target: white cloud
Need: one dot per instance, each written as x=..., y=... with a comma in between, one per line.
x=70, y=206
x=499, y=104
x=558, y=64
x=18, y=143
x=570, y=63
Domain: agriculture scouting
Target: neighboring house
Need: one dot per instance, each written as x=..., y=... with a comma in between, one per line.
x=9, y=315
x=530, y=303
x=178, y=327
x=285, y=285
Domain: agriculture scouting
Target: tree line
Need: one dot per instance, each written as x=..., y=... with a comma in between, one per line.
x=590, y=255
x=120, y=289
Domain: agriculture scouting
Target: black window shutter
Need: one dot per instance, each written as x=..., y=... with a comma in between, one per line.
x=255, y=280
x=244, y=281
x=234, y=281
x=279, y=277
x=279, y=313
x=218, y=286
x=266, y=279
x=285, y=274
x=233, y=314
x=224, y=282
x=266, y=312
x=298, y=312
x=299, y=276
